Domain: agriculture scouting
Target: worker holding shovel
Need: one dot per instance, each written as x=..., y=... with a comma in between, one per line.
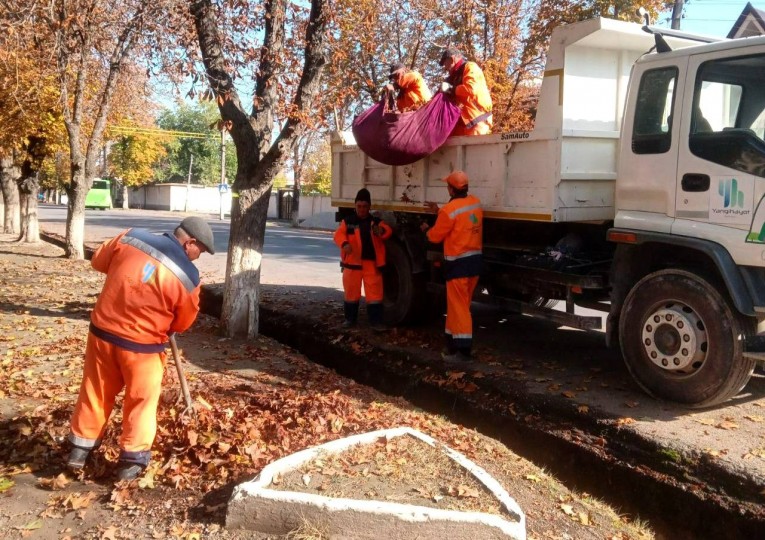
x=151, y=291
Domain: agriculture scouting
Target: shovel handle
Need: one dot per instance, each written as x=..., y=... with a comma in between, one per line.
x=181, y=374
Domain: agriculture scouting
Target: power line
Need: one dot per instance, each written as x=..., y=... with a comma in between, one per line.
x=159, y=133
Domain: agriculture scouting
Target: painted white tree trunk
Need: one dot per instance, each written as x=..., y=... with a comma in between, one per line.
x=30, y=224
x=241, y=299
x=75, y=223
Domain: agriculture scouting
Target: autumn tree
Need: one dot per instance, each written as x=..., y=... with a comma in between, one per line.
x=507, y=38
x=316, y=169
x=92, y=42
x=31, y=125
x=132, y=159
x=289, y=62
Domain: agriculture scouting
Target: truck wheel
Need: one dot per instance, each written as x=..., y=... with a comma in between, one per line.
x=404, y=292
x=681, y=340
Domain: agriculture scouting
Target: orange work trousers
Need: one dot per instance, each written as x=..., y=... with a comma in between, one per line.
x=459, y=322
x=372, y=279
x=481, y=128
x=109, y=369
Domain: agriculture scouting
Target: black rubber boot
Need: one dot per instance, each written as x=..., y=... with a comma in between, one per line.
x=351, y=314
x=375, y=314
x=77, y=458
x=128, y=471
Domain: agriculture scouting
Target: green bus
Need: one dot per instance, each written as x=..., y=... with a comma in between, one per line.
x=100, y=195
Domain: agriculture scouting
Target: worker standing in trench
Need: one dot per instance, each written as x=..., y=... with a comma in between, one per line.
x=459, y=226
x=360, y=238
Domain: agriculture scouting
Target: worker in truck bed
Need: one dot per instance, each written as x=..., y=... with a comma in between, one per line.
x=412, y=93
x=459, y=226
x=467, y=85
x=360, y=238
x=151, y=290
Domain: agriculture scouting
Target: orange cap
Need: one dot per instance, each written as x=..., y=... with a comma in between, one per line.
x=457, y=180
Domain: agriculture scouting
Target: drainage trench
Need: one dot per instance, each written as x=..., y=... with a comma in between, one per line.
x=672, y=509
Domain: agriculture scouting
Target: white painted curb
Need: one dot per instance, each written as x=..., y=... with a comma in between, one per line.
x=254, y=506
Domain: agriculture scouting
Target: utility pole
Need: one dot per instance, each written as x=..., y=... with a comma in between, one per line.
x=677, y=14
x=188, y=184
x=221, y=189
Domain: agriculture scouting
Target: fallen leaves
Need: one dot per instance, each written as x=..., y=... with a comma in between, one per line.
x=6, y=484
x=56, y=483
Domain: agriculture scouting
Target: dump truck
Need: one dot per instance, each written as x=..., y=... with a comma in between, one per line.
x=639, y=193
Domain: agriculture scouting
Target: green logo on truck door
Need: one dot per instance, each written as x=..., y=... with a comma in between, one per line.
x=757, y=230
x=732, y=197
x=731, y=202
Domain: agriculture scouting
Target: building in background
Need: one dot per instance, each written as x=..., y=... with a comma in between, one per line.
x=751, y=22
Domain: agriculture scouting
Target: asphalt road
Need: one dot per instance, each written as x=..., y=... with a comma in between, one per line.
x=552, y=360
x=291, y=256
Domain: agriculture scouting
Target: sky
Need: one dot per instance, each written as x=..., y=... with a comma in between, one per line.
x=711, y=17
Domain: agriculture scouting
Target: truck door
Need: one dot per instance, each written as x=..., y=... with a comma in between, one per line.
x=645, y=190
x=721, y=164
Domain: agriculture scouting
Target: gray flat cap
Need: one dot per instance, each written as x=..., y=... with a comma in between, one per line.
x=449, y=52
x=197, y=228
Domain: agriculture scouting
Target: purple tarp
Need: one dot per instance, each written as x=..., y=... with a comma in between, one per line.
x=397, y=138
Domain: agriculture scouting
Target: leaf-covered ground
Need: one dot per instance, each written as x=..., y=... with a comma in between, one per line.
x=254, y=402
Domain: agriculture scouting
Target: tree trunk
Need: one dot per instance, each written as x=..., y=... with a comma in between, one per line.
x=75, y=219
x=9, y=174
x=29, y=187
x=258, y=158
x=30, y=224
x=239, y=316
x=125, y=195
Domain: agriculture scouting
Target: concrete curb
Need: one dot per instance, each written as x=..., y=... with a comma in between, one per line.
x=254, y=506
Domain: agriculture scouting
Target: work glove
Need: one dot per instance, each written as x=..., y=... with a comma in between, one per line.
x=446, y=87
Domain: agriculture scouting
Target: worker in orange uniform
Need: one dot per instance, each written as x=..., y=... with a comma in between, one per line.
x=467, y=85
x=151, y=290
x=360, y=238
x=412, y=93
x=459, y=226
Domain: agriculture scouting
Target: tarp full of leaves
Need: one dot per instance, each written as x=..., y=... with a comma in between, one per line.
x=395, y=138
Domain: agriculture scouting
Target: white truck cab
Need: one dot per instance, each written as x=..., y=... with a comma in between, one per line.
x=637, y=193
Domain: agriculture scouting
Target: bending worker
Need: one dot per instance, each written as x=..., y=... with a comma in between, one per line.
x=151, y=290
x=459, y=226
x=468, y=86
x=413, y=93
x=360, y=238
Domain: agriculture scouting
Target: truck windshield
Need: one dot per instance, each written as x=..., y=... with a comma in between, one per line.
x=728, y=118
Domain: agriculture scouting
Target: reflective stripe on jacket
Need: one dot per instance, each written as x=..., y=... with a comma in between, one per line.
x=151, y=289
x=414, y=92
x=350, y=232
x=459, y=226
x=471, y=94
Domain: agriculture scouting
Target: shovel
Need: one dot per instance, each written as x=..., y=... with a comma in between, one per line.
x=181, y=377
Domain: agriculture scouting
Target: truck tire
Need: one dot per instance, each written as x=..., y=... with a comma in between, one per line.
x=681, y=340
x=404, y=292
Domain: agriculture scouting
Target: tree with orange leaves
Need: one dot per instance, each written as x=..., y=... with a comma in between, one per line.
x=289, y=54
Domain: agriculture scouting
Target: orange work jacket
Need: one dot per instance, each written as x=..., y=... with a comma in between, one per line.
x=350, y=232
x=471, y=94
x=459, y=226
x=151, y=289
x=413, y=92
